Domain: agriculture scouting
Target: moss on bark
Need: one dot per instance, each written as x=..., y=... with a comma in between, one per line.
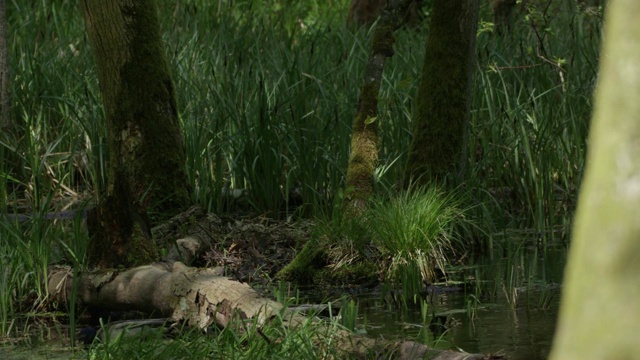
x=310, y=268
x=364, y=138
x=303, y=268
x=147, y=180
x=600, y=304
x=444, y=96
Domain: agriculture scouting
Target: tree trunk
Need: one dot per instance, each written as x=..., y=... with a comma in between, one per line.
x=600, y=304
x=441, y=122
x=364, y=137
x=147, y=180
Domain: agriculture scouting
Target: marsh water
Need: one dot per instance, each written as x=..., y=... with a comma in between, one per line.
x=509, y=306
x=512, y=311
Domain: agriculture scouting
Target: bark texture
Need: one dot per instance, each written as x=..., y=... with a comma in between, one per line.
x=147, y=180
x=364, y=138
x=600, y=304
x=443, y=108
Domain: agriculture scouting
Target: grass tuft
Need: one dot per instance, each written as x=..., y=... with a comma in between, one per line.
x=417, y=231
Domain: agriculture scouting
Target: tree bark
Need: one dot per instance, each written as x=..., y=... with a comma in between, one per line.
x=364, y=137
x=600, y=304
x=147, y=180
x=437, y=151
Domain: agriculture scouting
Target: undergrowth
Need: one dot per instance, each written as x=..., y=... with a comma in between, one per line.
x=267, y=92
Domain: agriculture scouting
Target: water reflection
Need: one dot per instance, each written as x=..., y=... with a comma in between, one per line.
x=512, y=311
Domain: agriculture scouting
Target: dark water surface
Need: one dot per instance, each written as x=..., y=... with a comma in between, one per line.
x=522, y=334
x=483, y=320
x=39, y=348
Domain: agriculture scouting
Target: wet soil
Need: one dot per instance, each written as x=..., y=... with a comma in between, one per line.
x=250, y=248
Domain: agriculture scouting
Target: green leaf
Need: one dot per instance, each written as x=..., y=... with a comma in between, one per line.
x=370, y=120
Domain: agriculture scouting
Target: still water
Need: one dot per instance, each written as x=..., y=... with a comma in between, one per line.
x=512, y=310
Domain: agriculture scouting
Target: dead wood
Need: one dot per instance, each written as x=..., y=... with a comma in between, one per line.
x=202, y=298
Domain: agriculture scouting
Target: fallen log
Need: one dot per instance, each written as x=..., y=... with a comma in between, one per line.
x=202, y=298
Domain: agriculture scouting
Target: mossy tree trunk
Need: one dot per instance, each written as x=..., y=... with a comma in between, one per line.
x=147, y=180
x=364, y=137
x=443, y=107
x=600, y=304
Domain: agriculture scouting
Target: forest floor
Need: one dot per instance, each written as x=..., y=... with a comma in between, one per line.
x=250, y=248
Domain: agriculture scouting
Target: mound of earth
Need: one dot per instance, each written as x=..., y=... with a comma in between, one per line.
x=251, y=249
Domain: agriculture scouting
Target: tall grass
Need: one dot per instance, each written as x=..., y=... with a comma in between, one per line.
x=274, y=118
x=417, y=231
x=267, y=103
x=24, y=260
x=240, y=340
x=532, y=109
x=267, y=92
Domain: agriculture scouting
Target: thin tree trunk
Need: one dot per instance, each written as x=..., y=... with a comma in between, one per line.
x=437, y=151
x=147, y=180
x=600, y=304
x=364, y=137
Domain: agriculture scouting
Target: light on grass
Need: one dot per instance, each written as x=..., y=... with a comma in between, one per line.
x=349, y=314
x=416, y=230
x=424, y=310
x=269, y=108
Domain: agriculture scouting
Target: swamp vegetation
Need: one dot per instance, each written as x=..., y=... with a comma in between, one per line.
x=266, y=95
